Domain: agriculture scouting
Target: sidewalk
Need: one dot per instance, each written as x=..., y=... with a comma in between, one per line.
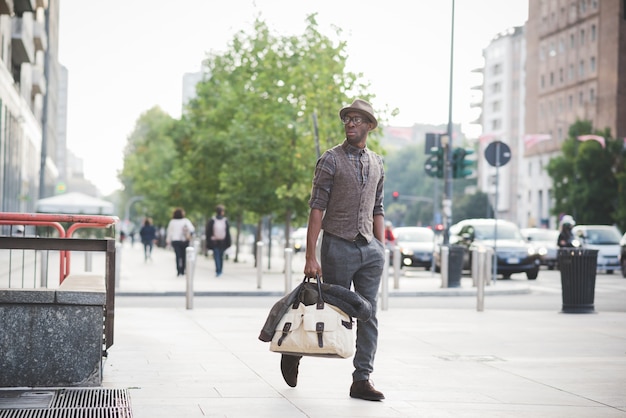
x=177, y=362
x=157, y=277
x=430, y=362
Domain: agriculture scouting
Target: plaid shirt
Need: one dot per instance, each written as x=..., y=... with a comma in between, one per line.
x=325, y=172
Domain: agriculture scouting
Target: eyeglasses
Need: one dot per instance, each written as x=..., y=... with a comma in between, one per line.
x=357, y=120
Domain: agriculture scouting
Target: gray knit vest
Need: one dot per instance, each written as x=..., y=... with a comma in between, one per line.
x=350, y=209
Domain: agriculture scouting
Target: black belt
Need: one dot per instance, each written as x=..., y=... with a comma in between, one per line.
x=357, y=238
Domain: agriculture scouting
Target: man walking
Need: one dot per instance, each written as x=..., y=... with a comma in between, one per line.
x=347, y=203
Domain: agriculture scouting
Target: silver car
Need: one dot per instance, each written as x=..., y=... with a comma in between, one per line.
x=605, y=239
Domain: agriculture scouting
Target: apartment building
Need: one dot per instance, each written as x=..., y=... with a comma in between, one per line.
x=28, y=102
x=576, y=53
x=502, y=116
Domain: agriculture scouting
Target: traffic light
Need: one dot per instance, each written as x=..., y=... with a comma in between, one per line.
x=462, y=167
x=435, y=163
x=395, y=196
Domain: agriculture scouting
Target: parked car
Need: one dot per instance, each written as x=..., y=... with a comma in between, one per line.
x=298, y=240
x=416, y=245
x=545, y=243
x=622, y=257
x=515, y=254
x=605, y=239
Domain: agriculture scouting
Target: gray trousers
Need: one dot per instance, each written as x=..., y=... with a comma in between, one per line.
x=359, y=264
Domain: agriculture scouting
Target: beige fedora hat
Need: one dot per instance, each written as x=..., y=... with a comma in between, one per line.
x=360, y=106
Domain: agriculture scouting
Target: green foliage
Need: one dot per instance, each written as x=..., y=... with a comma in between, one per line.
x=247, y=140
x=588, y=178
x=469, y=206
x=149, y=157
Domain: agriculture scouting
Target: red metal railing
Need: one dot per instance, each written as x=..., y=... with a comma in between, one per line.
x=54, y=221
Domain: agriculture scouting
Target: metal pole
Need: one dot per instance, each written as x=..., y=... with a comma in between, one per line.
x=190, y=254
x=495, y=216
x=118, y=264
x=447, y=200
x=259, y=264
x=44, y=115
x=44, y=269
x=444, y=266
x=480, y=279
x=384, y=291
x=396, y=267
x=288, y=258
x=88, y=258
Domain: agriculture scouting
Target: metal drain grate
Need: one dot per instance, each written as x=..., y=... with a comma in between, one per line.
x=25, y=399
x=68, y=403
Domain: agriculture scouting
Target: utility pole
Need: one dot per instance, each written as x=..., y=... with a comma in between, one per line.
x=44, y=113
x=448, y=146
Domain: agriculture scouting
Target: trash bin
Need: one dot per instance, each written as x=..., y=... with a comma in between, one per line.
x=578, y=279
x=455, y=265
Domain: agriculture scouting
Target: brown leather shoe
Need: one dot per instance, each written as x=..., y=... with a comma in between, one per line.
x=289, y=368
x=363, y=389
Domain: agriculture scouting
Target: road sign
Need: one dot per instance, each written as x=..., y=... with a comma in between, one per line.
x=497, y=154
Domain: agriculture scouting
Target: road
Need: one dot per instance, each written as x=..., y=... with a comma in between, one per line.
x=544, y=295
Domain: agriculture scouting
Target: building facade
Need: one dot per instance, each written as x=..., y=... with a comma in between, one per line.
x=576, y=53
x=502, y=116
x=28, y=102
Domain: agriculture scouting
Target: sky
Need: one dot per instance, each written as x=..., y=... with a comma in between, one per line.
x=126, y=56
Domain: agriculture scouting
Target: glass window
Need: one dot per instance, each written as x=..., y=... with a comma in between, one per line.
x=593, y=33
x=570, y=74
x=581, y=68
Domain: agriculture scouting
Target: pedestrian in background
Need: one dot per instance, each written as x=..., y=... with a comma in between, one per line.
x=566, y=237
x=148, y=236
x=347, y=203
x=179, y=232
x=390, y=239
x=218, y=237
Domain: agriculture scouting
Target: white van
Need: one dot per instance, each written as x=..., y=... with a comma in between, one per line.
x=605, y=239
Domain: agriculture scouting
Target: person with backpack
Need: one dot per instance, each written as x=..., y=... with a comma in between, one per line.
x=218, y=237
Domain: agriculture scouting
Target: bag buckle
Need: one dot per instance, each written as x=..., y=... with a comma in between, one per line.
x=286, y=329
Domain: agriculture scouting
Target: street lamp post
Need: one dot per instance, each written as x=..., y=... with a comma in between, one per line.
x=447, y=200
x=129, y=204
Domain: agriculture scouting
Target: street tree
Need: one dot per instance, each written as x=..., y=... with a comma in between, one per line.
x=252, y=138
x=587, y=177
x=149, y=156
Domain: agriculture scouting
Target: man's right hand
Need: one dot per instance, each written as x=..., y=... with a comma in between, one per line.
x=312, y=268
